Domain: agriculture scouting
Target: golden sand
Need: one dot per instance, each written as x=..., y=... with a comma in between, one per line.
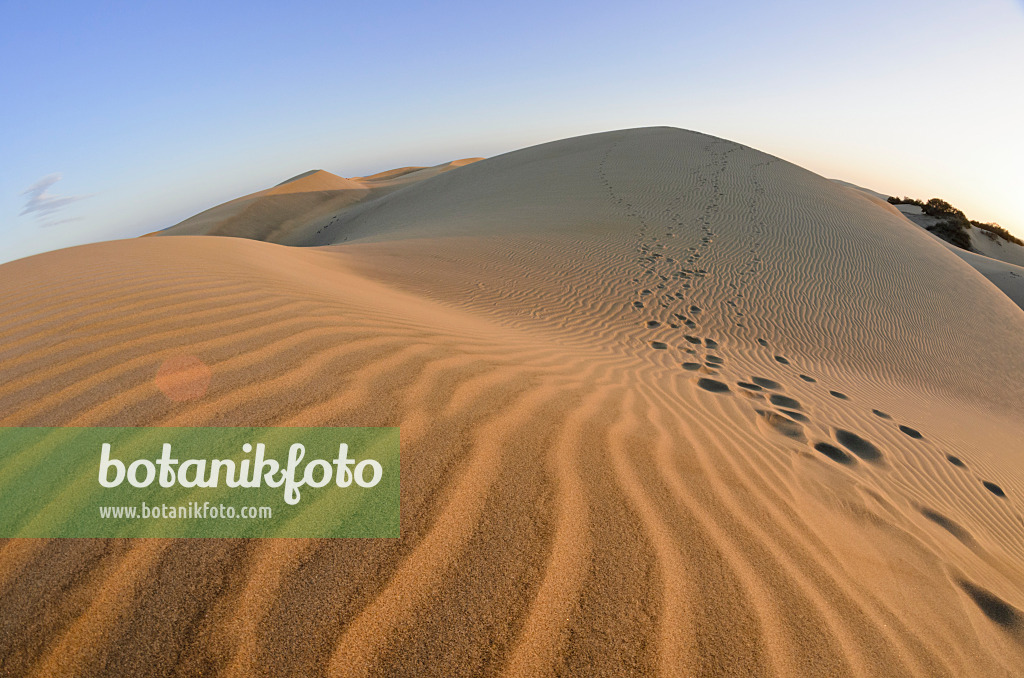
x=668, y=405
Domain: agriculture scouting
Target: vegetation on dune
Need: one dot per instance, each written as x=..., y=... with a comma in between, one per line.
x=953, y=225
x=997, y=231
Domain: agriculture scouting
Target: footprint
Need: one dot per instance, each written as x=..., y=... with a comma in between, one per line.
x=660, y=345
x=799, y=416
x=994, y=607
x=782, y=360
x=862, y=448
x=749, y=387
x=809, y=380
x=766, y=383
x=948, y=525
x=955, y=461
x=762, y=342
x=913, y=433
x=994, y=489
x=638, y=304
x=835, y=454
x=710, y=343
x=783, y=425
x=653, y=323
x=692, y=367
x=695, y=309
x=837, y=394
x=693, y=340
x=785, y=401
x=880, y=413
x=714, y=359
x=713, y=385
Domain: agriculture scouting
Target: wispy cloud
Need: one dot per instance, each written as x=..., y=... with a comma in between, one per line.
x=43, y=205
x=57, y=222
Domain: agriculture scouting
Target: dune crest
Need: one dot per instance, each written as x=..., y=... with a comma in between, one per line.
x=669, y=406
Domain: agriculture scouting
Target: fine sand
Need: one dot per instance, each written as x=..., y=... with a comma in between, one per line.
x=668, y=405
x=1000, y=261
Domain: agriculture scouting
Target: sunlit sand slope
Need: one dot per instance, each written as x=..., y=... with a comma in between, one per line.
x=669, y=406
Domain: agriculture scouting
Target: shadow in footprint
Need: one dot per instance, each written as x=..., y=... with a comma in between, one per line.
x=782, y=360
x=994, y=489
x=713, y=385
x=799, y=416
x=809, y=380
x=880, y=413
x=749, y=387
x=660, y=345
x=762, y=342
x=862, y=448
x=994, y=607
x=835, y=454
x=955, y=461
x=692, y=367
x=785, y=401
x=714, y=359
x=766, y=383
x=783, y=425
x=912, y=432
x=948, y=525
x=837, y=394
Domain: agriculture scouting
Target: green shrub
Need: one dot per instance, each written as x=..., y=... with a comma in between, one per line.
x=953, y=232
x=905, y=201
x=936, y=207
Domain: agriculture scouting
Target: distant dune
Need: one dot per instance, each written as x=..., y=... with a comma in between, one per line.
x=668, y=405
x=292, y=211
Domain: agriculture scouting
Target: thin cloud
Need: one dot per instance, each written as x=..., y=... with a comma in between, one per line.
x=58, y=222
x=44, y=204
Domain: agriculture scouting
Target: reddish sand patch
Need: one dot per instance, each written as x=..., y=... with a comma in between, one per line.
x=183, y=377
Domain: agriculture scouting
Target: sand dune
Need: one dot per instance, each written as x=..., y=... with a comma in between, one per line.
x=292, y=211
x=984, y=243
x=998, y=260
x=1007, y=277
x=669, y=406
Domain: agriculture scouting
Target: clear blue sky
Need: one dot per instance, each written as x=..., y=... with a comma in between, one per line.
x=151, y=112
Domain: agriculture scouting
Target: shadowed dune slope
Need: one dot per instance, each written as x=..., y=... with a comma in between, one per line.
x=1007, y=277
x=669, y=406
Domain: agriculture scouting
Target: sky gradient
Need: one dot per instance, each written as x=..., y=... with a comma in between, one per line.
x=127, y=118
